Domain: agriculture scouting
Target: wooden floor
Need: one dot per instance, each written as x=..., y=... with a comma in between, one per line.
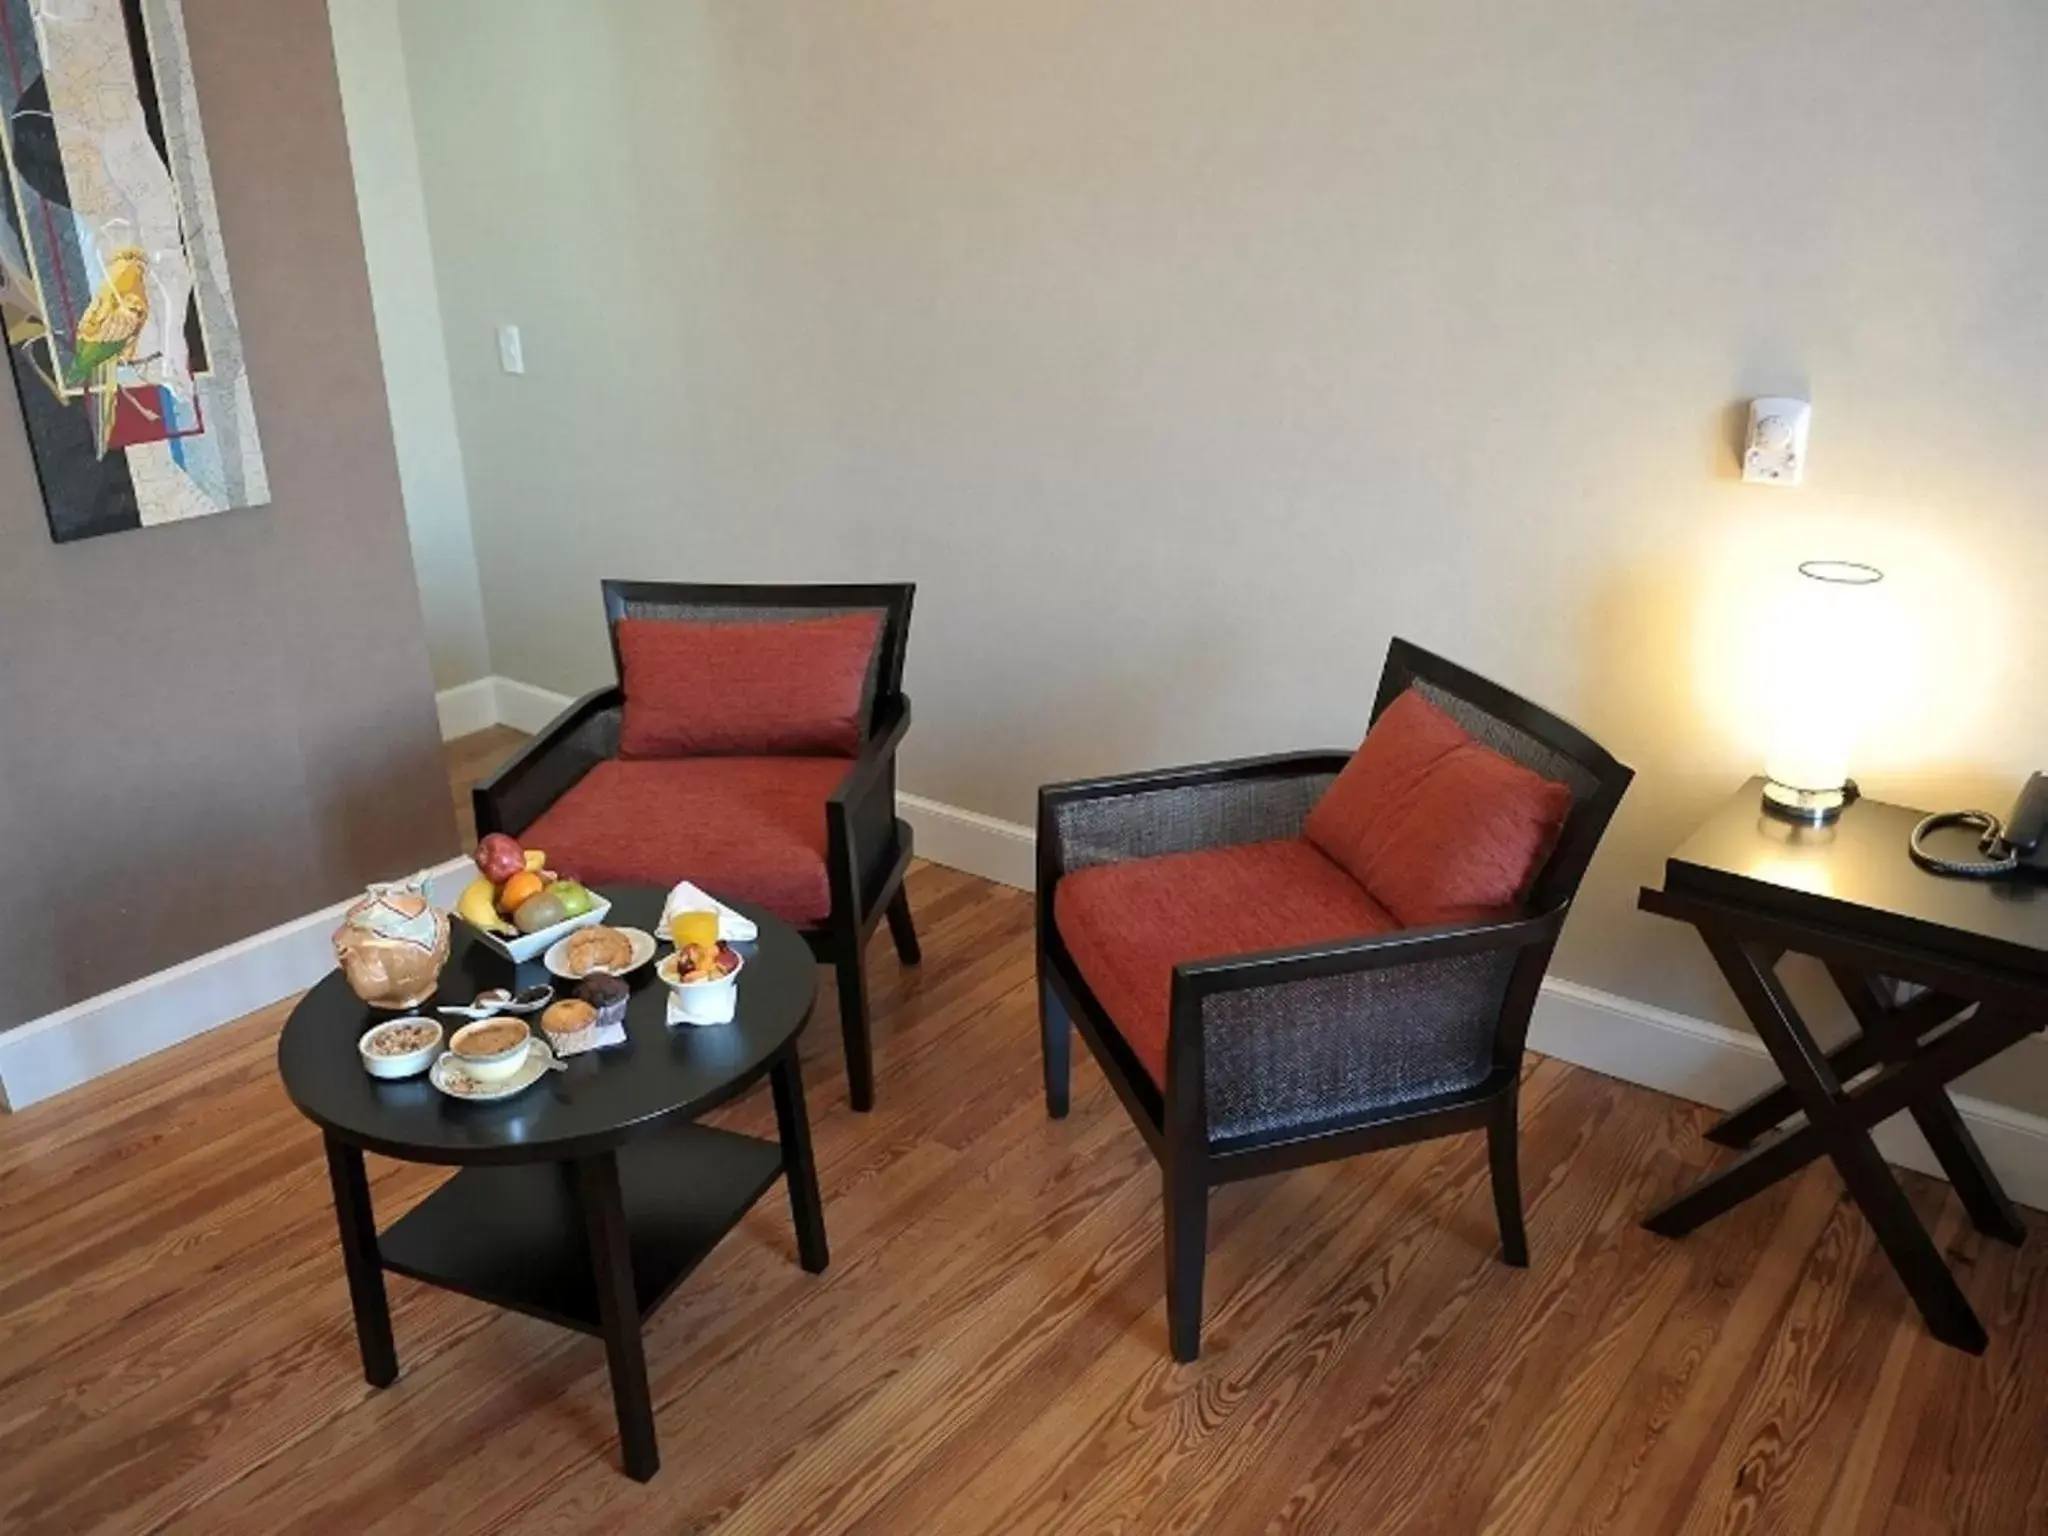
x=987, y=1352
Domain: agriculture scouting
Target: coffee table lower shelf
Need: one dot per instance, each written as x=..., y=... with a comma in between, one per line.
x=514, y=1236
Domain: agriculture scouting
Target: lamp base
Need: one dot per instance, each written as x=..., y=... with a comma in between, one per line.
x=1809, y=807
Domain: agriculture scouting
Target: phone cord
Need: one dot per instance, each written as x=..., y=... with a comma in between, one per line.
x=1992, y=842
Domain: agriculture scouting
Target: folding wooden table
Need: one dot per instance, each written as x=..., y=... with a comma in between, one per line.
x=1940, y=975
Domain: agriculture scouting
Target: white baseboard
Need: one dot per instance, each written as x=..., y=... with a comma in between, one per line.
x=525, y=707
x=62, y=1050
x=1001, y=851
x=467, y=708
x=488, y=701
x=1618, y=1037
x=1711, y=1064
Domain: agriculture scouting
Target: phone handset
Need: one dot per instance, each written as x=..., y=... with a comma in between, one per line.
x=2007, y=846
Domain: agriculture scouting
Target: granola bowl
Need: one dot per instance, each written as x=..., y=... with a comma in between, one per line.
x=400, y=1047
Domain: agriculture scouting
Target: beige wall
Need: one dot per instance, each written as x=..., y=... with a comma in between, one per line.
x=1185, y=352
x=378, y=108
x=210, y=728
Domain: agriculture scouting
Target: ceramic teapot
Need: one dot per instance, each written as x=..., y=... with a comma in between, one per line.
x=392, y=944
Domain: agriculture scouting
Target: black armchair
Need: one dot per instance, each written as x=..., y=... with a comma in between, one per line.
x=867, y=848
x=1281, y=1059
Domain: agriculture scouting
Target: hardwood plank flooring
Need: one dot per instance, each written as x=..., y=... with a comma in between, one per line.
x=987, y=1352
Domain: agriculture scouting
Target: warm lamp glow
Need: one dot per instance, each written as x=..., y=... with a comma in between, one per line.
x=1825, y=635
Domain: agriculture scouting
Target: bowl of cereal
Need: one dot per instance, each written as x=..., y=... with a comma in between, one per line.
x=400, y=1047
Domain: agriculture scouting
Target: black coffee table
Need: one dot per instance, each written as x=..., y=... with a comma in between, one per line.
x=587, y=1198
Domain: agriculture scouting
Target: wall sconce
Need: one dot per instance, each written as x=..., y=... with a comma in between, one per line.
x=1822, y=649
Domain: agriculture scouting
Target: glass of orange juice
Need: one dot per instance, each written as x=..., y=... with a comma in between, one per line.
x=694, y=928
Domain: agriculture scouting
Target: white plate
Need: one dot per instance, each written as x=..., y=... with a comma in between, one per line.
x=447, y=1071
x=523, y=947
x=643, y=951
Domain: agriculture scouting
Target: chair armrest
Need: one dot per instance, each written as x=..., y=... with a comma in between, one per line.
x=549, y=766
x=1333, y=1032
x=862, y=841
x=1178, y=810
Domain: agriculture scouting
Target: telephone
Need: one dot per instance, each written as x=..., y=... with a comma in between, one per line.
x=2020, y=842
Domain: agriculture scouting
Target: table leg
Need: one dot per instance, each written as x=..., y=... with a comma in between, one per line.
x=1774, y=1106
x=1894, y=1029
x=1953, y=1145
x=799, y=1168
x=1750, y=1174
x=1834, y=1126
x=359, y=1257
x=618, y=1310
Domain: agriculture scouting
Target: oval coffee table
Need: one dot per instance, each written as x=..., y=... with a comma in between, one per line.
x=587, y=1198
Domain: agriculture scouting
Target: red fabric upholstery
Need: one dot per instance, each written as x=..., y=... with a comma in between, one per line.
x=1128, y=925
x=1437, y=827
x=750, y=827
x=744, y=690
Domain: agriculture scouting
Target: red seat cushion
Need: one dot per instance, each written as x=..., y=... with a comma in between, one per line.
x=746, y=827
x=1128, y=925
x=1439, y=828
x=745, y=690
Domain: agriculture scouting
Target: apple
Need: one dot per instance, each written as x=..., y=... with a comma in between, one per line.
x=500, y=858
x=574, y=898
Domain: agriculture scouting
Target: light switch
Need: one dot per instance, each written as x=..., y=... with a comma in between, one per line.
x=1775, y=453
x=511, y=351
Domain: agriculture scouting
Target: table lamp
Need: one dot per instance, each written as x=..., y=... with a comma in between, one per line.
x=1821, y=651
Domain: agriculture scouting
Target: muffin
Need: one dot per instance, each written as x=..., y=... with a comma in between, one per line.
x=566, y=1020
x=608, y=995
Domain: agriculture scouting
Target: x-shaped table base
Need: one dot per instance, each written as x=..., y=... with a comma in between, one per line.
x=1904, y=1059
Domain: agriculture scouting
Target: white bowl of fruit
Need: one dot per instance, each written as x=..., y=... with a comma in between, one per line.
x=705, y=981
x=520, y=907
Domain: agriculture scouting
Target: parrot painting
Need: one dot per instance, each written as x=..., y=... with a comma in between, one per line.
x=107, y=333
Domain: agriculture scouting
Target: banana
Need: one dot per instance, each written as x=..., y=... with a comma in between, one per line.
x=536, y=861
x=478, y=907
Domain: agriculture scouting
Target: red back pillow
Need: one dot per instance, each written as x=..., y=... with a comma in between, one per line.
x=745, y=690
x=1435, y=826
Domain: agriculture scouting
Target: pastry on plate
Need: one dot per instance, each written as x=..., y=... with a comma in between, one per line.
x=597, y=949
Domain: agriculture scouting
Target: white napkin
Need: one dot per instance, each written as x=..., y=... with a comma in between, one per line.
x=732, y=928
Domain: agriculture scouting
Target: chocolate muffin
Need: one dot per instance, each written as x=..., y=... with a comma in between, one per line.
x=608, y=995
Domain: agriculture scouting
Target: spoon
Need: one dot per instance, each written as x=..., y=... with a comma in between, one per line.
x=497, y=1000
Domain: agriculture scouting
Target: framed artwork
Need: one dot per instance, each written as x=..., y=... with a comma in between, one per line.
x=113, y=284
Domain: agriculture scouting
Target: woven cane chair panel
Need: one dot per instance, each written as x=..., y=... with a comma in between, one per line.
x=1113, y=828
x=1308, y=1052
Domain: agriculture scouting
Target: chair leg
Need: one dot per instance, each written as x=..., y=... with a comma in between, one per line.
x=1187, y=1241
x=1503, y=1144
x=903, y=930
x=851, y=969
x=1056, y=1038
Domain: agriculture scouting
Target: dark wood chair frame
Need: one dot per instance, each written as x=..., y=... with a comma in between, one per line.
x=868, y=847
x=1175, y=1123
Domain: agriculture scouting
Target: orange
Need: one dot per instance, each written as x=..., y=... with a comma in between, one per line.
x=519, y=890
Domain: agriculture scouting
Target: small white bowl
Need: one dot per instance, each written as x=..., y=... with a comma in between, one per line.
x=498, y=1066
x=702, y=1002
x=412, y=1063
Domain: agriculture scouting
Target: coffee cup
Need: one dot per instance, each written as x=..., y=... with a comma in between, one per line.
x=491, y=1050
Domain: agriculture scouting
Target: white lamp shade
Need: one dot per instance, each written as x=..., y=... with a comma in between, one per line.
x=1824, y=642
